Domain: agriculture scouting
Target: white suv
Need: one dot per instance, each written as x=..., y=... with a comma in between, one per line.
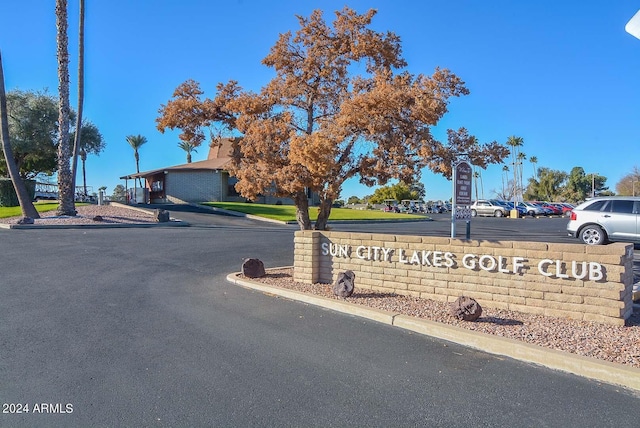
x=608, y=218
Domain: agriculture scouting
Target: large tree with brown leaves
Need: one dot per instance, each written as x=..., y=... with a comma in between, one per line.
x=187, y=112
x=340, y=106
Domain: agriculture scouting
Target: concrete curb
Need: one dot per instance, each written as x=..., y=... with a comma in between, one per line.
x=591, y=368
x=171, y=223
x=175, y=223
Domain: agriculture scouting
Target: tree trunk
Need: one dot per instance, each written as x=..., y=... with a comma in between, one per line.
x=188, y=157
x=65, y=187
x=76, y=142
x=302, y=210
x=26, y=205
x=323, y=214
x=137, y=156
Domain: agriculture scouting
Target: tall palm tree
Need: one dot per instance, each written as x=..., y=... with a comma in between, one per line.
x=534, y=162
x=76, y=141
x=188, y=147
x=65, y=185
x=135, y=141
x=26, y=205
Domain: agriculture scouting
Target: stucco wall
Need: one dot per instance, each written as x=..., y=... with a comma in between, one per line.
x=193, y=186
x=211, y=186
x=592, y=283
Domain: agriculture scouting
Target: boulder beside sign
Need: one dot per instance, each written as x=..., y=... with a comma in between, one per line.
x=463, y=177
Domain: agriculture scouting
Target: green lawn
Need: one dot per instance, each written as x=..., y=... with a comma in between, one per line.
x=41, y=207
x=288, y=212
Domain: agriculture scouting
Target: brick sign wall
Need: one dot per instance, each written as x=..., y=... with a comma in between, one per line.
x=591, y=283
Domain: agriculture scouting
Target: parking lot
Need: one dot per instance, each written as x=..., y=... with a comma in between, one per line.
x=542, y=229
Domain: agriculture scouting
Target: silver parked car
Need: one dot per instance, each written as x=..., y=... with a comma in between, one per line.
x=532, y=209
x=488, y=207
x=607, y=218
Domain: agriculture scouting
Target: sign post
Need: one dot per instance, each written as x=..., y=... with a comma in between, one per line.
x=462, y=174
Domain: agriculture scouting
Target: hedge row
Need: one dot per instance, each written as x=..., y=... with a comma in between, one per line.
x=8, y=197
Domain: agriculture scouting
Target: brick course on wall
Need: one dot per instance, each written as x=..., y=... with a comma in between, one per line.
x=518, y=276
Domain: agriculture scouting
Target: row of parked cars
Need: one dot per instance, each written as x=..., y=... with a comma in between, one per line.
x=499, y=208
x=596, y=221
x=413, y=206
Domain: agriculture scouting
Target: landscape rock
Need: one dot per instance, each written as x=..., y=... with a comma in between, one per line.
x=25, y=220
x=97, y=218
x=466, y=308
x=345, y=284
x=253, y=268
x=161, y=216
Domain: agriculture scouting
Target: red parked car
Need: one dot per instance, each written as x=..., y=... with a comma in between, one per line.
x=566, y=208
x=555, y=209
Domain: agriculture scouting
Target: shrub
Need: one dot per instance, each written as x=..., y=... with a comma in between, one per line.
x=8, y=197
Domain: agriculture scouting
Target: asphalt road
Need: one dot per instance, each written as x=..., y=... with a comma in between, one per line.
x=138, y=327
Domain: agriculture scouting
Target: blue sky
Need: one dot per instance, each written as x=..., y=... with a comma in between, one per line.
x=563, y=75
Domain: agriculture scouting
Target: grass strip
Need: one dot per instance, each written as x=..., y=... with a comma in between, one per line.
x=41, y=207
x=288, y=212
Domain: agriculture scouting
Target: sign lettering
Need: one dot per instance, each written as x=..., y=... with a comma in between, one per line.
x=463, y=183
x=558, y=269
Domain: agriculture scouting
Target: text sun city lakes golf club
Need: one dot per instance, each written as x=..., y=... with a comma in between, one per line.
x=591, y=271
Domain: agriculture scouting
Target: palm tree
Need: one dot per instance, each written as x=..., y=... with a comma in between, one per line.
x=534, y=162
x=26, y=205
x=188, y=147
x=90, y=144
x=77, y=139
x=65, y=185
x=135, y=141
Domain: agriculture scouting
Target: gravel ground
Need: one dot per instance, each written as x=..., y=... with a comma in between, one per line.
x=113, y=214
x=618, y=344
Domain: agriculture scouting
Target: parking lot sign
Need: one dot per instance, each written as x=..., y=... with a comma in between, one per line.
x=463, y=183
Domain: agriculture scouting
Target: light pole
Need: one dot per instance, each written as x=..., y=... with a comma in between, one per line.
x=517, y=183
x=633, y=28
x=593, y=184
